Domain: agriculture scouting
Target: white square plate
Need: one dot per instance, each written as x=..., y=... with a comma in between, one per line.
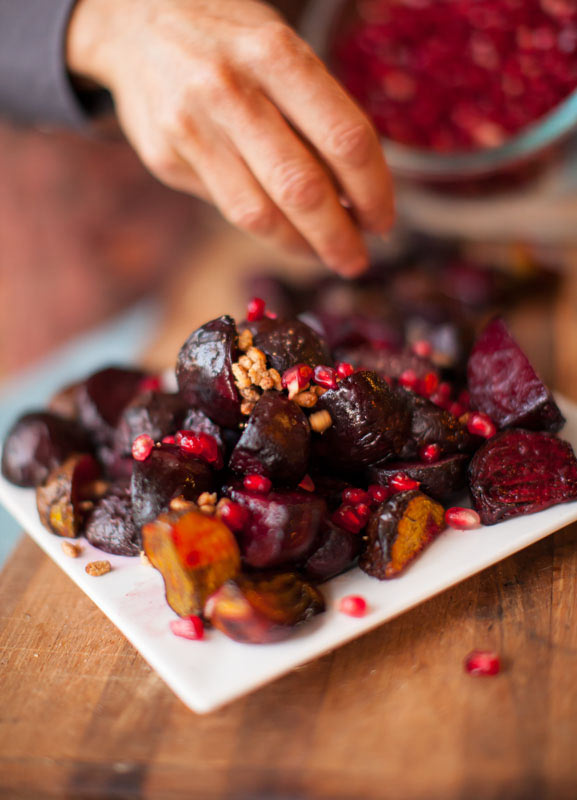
x=207, y=674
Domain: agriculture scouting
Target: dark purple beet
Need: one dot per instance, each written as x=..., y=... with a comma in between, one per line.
x=521, y=472
x=37, y=443
x=157, y=414
x=439, y=480
x=111, y=526
x=60, y=499
x=204, y=371
x=387, y=362
x=102, y=398
x=335, y=552
x=287, y=342
x=504, y=385
x=282, y=528
x=369, y=422
x=167, y=473
x=433, y=425
x=275, y=442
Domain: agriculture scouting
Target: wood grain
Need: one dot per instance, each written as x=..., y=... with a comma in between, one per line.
x=391, y=715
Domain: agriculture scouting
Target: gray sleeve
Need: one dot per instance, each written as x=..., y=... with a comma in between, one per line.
x=34, y=83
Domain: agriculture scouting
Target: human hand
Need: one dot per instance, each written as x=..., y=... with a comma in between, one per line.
x=221, y=99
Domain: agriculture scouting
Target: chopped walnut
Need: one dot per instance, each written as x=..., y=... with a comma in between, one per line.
x=257, y=356
x=245, y=362
x=320, y=421
x=144, y=559
x=97, y=568
x=70, y=550
x=250, y=394
x=96, y=488
x=240, y=376
x=207, y=510
x=247, y=408
x=256, y=373
x=245, y=339
x=266, y=382
x=277, y=380
x=180, y=504
x=207, y=499
x=318, y=390
x=305, y=399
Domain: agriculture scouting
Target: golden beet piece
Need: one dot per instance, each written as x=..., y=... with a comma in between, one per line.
x=64, y=500
x=398, y=531
x=259, y=609
x=194, y=552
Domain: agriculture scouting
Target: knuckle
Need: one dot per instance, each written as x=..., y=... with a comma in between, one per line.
x=258, y=219
x=162, y=162
x=215, y=82
x=300, y=187
x=274, y=40
x=352, y=143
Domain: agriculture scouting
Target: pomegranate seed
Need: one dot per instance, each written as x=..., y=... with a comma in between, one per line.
x=482, y=662
x=355, y=496
x=430, y=453
x=347, y=519
x=463, y=519
x=325, y=377
x=481, y=424
x=402, y=483
x=255, y=309
x=296, y=378
x=151, y=383
x=456, y=409
x=429, y=384
x=142, y=447
x=378, y=494
x=257, y=483
x=344, y=369
x=270, y=315
x=233, y=514
x=439, y=400
x=409, y=380
x=168, y=440
x=353, y=605
x=363, y=512
x=445, y=390
x=188, y=627
x=201, y=445
x=307, y=484
x=422, y=348
x=464, y=399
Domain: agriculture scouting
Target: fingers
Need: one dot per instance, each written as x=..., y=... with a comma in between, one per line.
x=302, y=88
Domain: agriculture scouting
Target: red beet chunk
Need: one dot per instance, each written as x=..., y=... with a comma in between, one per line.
x=111, y=527
x=520, y=472
x=503, y=383
x=204, y=371
x=287, y=342
x=153, y=413
x=275, y=442
x=102, y=398
x=282, y=527
x=431, y=424
x=335, y=552
x=440, y=479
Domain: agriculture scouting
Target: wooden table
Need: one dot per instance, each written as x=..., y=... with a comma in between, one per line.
x=391, y=715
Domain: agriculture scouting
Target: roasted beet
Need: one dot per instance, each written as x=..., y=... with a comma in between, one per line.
x=258, y=609
x=156, y=414
x=520, y=472
x=433, y=425
x=369, y=422
x=505, y=386
x=37, y=443
x=392, y=363
x=168, y=472
x=398, y=531
x=440, y=479
x=275, y=442
x=282, y=527
x=111, y=527
x=64, y=499
x=204, y=371
x=195, y=553
x=286, y=342
x=335, y=552
x=102, y=398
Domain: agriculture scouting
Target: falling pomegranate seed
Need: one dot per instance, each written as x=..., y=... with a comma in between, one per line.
x=257, y=483
x=255, y=309
x=401, y=482
x=188, y=627
x=481, y=424
x=344, y=369
x=307, y=484
x=463, y=519
x=430, y=453
x=168, y=440
x=353, y=605
x=142, y=447
x=378, y=494
x=151, y=383
x=325, y=377
x=408, y=379
x=482, y=662
x=429, y=384
x=345, y=517
x=233, y=514
x=355, y=496
x=422, y=348
x=296, y=378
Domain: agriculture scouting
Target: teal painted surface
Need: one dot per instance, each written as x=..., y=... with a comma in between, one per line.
x=120, y=341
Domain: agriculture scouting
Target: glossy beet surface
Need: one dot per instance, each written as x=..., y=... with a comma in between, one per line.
x=398, y=531
x=37, y=443
x=335, y=552
x=369, y=422
x=520, y=472
x=286, y=342
x=258, y=609
x=61, y=499
x=204, y=371
x=275, y=442
x=392, y=363
x=102, y=398
x=433, y=425
x=440, y=479
x=505, y=386
x=168, y=472
x=282, y=527
x=111, y=526
x=156, y=414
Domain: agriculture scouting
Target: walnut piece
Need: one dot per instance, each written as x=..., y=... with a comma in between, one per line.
x=70, y=550
x=244, y=340
x=320, y=421
x=247, y=408
x=97, y=568
x=305, y=399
